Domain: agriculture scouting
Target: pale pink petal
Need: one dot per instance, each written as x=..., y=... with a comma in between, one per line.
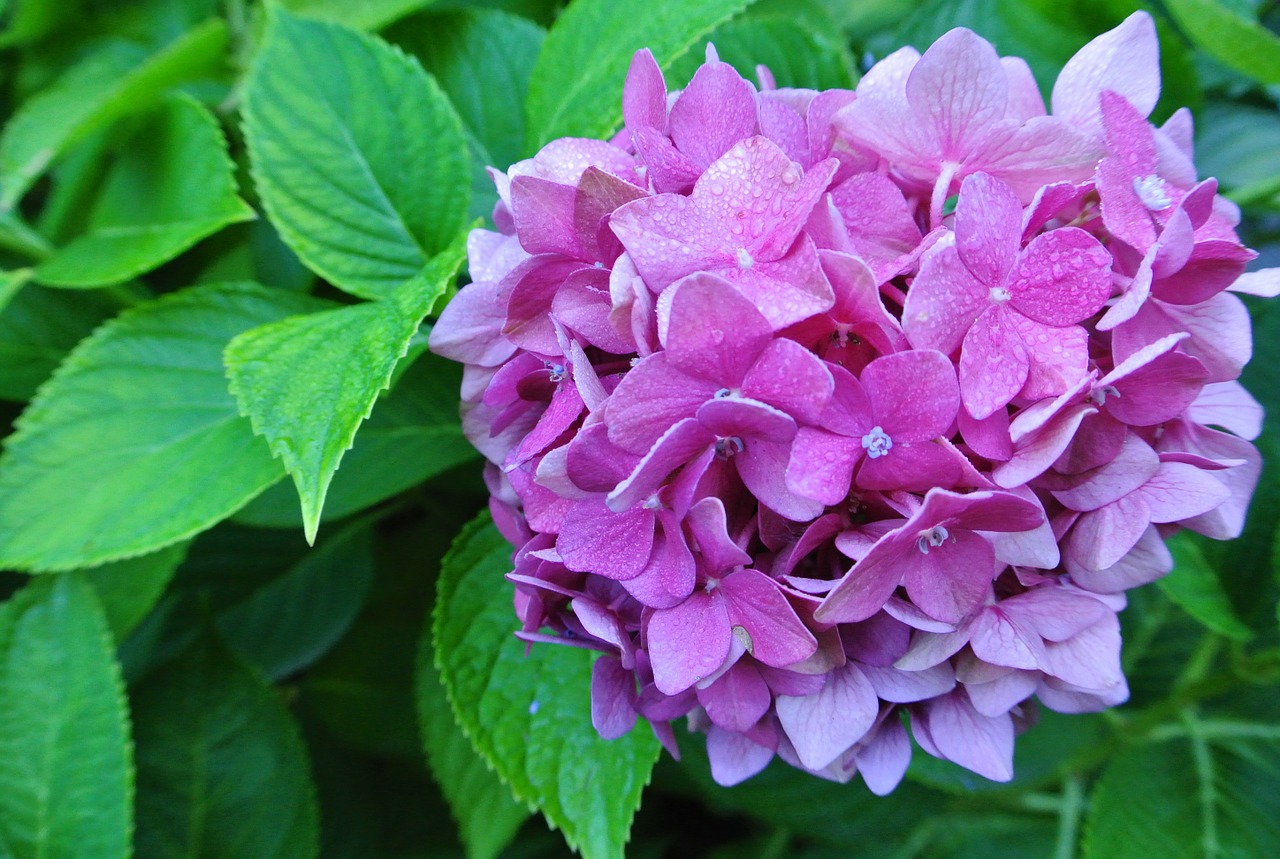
x=1148, y=560
x=823, y=726
x=952, y=579
x=1125, y=59
x=906, y=687
x=1102, y=537
x=884, y=757
x=964, y=736
x=958, y=88
x=993, y=364
x=734, y=758
x=1179, y=491
x=1230, y=406
x=1135, y=464
x=1058, y=357
x=613, y=695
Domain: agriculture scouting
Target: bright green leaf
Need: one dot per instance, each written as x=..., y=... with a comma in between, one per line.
x=307, y=383
x=1195, y=586
x=531, y=716
x=363, y=15
x=1238, y=43
x=413, y=434
x=486, y=813
x=109, y=84
x=66, y=774
x=221, y=768
x=38, y=327
x=483, y=60
x=135, y=442
x=797, y=56
x=28, y=20
x=1210, y=795
x=576, y=89
x=128, y=589
x=172, y=186
x=359, y=158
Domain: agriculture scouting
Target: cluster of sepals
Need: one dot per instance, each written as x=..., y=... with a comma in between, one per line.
x=803, y=452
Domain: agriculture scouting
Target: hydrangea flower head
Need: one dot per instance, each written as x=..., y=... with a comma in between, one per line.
x=815, y=463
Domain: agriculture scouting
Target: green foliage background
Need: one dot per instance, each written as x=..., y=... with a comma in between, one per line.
x=225, y=228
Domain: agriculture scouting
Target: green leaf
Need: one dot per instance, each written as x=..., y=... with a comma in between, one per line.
x=37, y=330
x=109, y=84
x=576, y=89
x=135, y=442
x=365, y=15
x=413, y=435
x=531, y=716
x=487, y=815
x=307, y=383
x=797, y=56
x=172, y=186
x=128, y=589
x=1238, y=43
x=221, y=768
x=1195, y=586
x=483, y=60
x=293, y=619
x=358, y=156
x=1237, y=144
x=66, y=774
x=28, y=20
x=1210, y=795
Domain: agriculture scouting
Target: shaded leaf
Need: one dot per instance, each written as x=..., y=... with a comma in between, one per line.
x=1194, y=585
x=531, y=716
x=172, y=185
x=116, y=80
x=128, y=589
x=66, y=773
x=359, y=158
x=576, y=88
x=139, y=410
x=221, y=768
x=796, y=55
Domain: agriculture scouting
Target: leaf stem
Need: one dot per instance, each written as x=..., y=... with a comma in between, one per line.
x=1072, y=807
x=1204, y=774
x=17, y=237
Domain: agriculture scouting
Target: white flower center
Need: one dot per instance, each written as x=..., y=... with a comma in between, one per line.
x=876, y=443
x=728, y=447
x=744, y=259
x=1000, y=295
x=1153, y=192
x=933, y=538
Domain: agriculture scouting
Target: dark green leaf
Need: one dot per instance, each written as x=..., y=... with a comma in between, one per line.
x=1239, y=43
x=413, y=434
x=1213, y=793
x=221, y=768
x=135, y=443
x=172, y=186
x=1237, y=144
x=531, y=716
x=307, y=383
x=66, y=774
x=115, y=81
x=1195, y=586
x=576, y=88
x=128, y=589
x=28, y=20
x=37, y=330
x=488, y=816
x=359, y=158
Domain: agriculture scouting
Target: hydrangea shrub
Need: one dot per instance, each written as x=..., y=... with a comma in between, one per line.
x=825, y=414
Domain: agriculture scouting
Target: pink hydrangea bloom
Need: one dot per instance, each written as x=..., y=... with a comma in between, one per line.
x=810, y=461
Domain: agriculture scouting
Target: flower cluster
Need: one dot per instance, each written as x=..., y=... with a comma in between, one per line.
x=825, y=414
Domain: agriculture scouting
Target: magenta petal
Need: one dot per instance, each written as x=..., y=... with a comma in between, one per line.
x=591, y=534
x=1148, y=560
x=669, y=578
x=1062, y=277
x=613, y=695
x=737, y=699
x=943, y=302
x=716, y=110
x=952, y=579
x=679, y=444
x=993, y=365
x=1179, y=491
x=914, y=394
x=1039, y=449
x=864, y=590
x=821, y=465
x=988, y=222
x=688, y=642
x=651, y=399
x=914, y=467
x=789, y=289
x=1058, y=357
x=543, y=214
x=712, y=331
x=1159, y=391
x=824, y=725
x=708, y=524
x=763, y=468
x=1133, y=466
x=778, y=637
x=1102, y=537
x=964, y=736
x=644, y=96
x=793, y=379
